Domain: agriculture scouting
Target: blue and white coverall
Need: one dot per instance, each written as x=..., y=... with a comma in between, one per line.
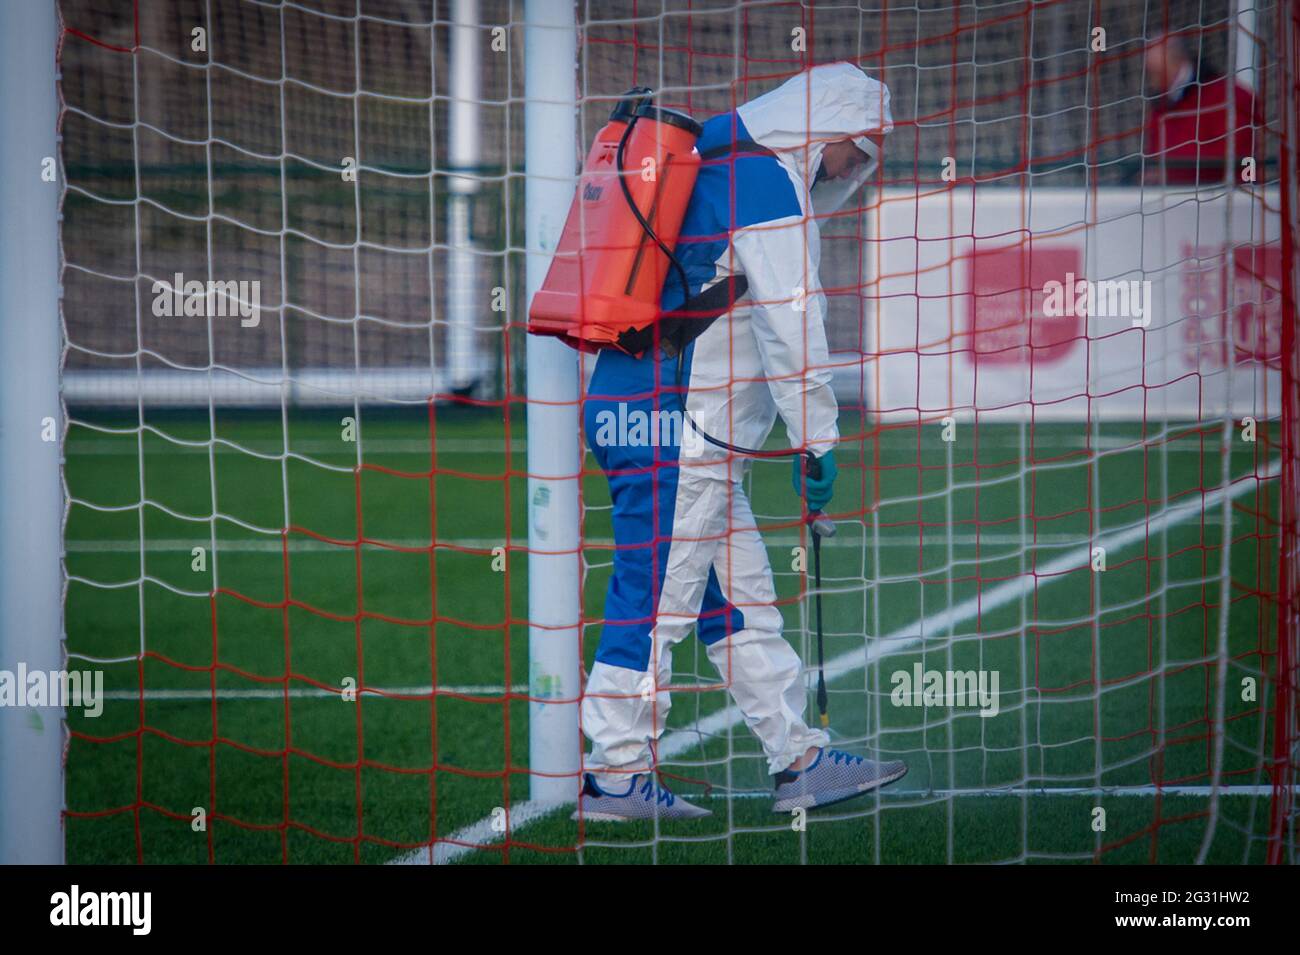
x=688, y=553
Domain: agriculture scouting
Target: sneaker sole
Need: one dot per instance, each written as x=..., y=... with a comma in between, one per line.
x=809, y=800
x=614, y=817
x=599, y=817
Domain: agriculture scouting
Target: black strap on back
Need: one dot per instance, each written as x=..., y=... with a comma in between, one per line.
x=680, y=327
x=746, y=147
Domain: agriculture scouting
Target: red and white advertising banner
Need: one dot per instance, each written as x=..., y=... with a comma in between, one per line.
x=1074, y=304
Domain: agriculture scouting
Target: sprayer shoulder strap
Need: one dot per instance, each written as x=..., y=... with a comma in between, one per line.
x=739, y=147
x=674, y=330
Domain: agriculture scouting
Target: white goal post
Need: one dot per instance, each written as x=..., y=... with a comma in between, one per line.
x=554, y=457
x=31, y=431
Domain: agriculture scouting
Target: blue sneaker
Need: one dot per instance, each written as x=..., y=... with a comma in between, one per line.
x=834, y=776
x=643, y=800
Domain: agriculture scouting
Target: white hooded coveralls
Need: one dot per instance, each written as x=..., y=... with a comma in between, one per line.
x=688, y=553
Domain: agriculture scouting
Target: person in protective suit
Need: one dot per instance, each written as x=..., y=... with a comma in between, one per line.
x=688, y=554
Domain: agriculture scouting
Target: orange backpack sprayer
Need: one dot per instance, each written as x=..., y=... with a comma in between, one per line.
x=609, y=269
x=602, y=289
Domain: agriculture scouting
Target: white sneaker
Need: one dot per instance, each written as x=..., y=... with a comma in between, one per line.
x=834, y=776
x=643, y=800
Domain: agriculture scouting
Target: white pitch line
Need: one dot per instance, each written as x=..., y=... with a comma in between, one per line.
x=272, y=545
x=888, y=538
x=301, y=692
x=124, y=443
x=479, y=834
x=1145, y=791
x=681, y=741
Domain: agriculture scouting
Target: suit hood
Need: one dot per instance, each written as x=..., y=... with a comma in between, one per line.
x=799, y=118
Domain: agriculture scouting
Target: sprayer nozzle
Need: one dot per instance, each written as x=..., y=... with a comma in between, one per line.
x=821, y=525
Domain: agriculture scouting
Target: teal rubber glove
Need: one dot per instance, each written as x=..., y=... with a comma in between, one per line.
x=814, y=487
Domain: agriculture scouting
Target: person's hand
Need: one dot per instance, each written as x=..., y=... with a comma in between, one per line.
x=814, y=480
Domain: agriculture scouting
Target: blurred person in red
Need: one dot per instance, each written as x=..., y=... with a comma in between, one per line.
x=1187, y=121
